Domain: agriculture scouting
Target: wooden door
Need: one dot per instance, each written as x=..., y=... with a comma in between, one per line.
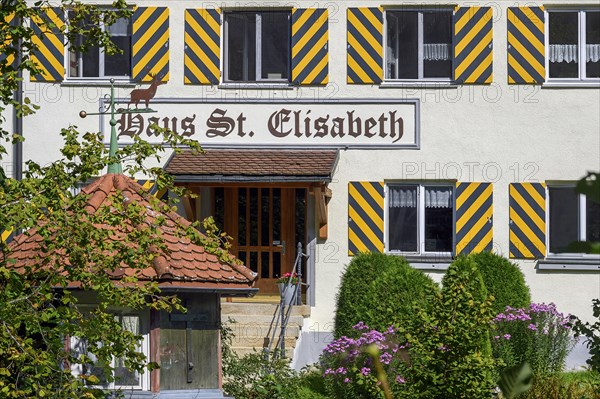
x=265, y=223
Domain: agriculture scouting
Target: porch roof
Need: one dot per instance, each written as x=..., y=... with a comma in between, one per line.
x=183, y=263
x=272, y=165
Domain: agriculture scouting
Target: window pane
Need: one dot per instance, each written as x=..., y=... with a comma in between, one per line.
x=403, y=212
x=123, y=375
x=265, y=220
x=275, y=45
x=265, y=267
x=592, y=41
x=219, y=213
x=438, y=219
x=407, y=42
x=242, y=200
x=563, y=52
x=253, y=216
x=91, y=62
x=241, y=46
x=437, y=44
x=392, y=46
x=564, y=215
x=592, y=221
x=119, y=64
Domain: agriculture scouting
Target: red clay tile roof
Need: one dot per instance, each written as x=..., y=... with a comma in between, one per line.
x=317, y=164
x=183, y=264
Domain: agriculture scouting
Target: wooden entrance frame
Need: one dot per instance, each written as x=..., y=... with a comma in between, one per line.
x=319, y=219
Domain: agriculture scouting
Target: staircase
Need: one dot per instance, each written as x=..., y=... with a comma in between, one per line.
x=254, y=324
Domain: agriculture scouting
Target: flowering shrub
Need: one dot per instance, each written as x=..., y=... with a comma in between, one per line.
x=285, y=279
x=443, y=351
x=538, y=334
x=349, y=370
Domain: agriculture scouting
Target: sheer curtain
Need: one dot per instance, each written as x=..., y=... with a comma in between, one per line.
x=592, y=52
x=436, y=51
x=438, y=197
x=403, y=197
x=563, y=53
x=119, y=28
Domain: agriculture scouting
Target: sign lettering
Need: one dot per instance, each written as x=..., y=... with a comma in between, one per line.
x=262, y=124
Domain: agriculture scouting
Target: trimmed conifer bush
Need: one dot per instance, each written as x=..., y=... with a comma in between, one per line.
x=504, y=280
x=464, y=266
x=379, y=290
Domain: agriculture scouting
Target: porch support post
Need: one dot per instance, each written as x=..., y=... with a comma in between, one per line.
x=155, y=349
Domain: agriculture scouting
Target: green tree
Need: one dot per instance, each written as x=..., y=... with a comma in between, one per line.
x=38, y=307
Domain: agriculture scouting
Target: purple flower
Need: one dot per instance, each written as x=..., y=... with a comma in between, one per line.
x=346, y=380
x=506, y=336
x=365, y=371
x=400, y=380
x=360, y=326
x=532, y=327
x=385, y=358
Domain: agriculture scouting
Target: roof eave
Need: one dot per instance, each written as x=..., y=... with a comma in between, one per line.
x=250, y=179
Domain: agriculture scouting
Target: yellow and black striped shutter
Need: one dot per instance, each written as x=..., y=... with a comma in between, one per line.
x=365, y=45
x=526, y=45
x=5, y=58
x=527, y=213
x=202, y=53
x=310, y=43
x=150, y=42
x=6, y=235
x=473, y=45
x=474, y=213
x=152, y=188
x=49, y=40
x=365, y=217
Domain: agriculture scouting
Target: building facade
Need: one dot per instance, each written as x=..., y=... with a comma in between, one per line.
x=421, y=129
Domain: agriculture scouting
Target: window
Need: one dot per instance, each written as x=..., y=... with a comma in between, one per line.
x=572, y=218
x=573, y=50
x=257, y=46
x=124, y=377
x=420, y=218
x=419, y=44
x=96, y=63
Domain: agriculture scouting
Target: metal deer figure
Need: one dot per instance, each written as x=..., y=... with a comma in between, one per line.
x=146, y=95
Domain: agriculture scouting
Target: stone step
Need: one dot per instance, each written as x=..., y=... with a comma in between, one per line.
x=260, y=342
x=256, y=330
x=252, y=320
x=267, y=309
x=241, y=351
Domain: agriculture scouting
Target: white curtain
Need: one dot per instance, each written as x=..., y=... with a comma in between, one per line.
x=592, y=52
x=438, y=197
x=119, y=28
x=563, y=53
x=436, y=51
x=403, y=197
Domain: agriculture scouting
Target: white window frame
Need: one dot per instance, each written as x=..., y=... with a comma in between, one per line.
x=420, y=33
x=420, y=218
x=581, y=222
x=101, y=55
x=581, y=39
x=144, y=320
x=258, y=49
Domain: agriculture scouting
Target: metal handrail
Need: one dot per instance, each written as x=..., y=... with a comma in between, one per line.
x=284, y=315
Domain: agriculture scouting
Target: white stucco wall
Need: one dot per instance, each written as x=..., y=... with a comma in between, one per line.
x=497, y=133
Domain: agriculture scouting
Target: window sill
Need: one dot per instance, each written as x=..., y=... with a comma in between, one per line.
x=98, y=82
x=583, y=263
x=426, y=262
x=420, y=84
x=571, y=84
x=257, y=86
